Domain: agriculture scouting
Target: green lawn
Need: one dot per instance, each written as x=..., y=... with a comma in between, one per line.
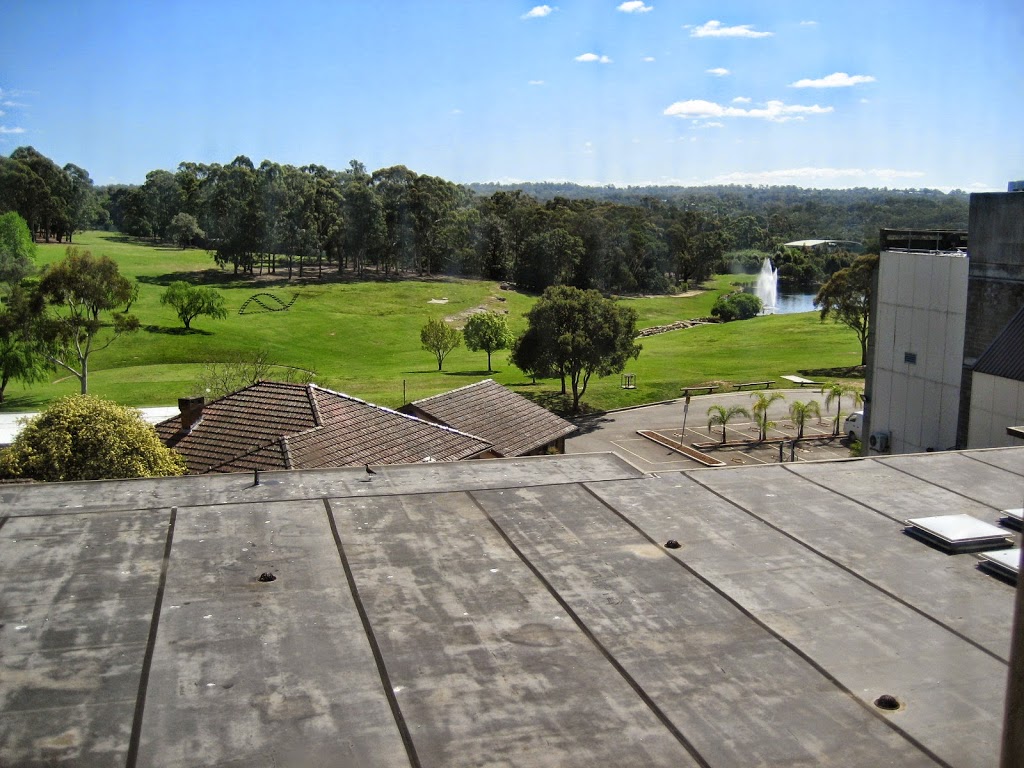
x=362, y=338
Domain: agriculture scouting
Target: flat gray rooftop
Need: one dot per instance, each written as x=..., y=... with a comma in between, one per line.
x=515, y=612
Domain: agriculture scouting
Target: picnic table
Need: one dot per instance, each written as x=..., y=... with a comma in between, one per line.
x=802, y=381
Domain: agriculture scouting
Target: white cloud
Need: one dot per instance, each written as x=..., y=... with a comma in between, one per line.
x=773, y=111
x=718, y=71
x=538, y=12
x=589, y=57
x=648, y=58
x=834, y=177
x=742, y=100
x=634, y=6
x=865, y=101
x=456, y=111
x=5, y=130
x=835, y=80
x=536, y=82
x=715, y=29
x=808, y=23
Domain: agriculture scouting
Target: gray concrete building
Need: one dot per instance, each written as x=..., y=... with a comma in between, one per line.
x=941, y=301
x=995, y=288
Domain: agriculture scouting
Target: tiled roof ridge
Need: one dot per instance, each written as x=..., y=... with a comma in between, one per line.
x=396, y=413
x=286, y=451
x=457, y=389
x=311, y=394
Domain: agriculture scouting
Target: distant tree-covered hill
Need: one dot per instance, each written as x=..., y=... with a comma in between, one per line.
x=299, y=221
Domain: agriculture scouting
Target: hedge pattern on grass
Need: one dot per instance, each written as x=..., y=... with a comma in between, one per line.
x=258, y=301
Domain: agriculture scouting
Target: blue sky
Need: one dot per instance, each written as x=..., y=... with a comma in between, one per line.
x=902, y=93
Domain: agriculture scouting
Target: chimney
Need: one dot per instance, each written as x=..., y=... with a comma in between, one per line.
x=191, y=411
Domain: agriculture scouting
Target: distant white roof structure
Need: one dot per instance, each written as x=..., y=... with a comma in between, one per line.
x=818, y=243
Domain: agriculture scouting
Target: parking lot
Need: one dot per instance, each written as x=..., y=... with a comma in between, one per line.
x=617, y=431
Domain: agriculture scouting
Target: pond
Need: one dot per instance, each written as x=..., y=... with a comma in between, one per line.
x=791, y=303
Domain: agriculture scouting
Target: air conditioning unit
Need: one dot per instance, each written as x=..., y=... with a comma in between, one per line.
x=879, y=441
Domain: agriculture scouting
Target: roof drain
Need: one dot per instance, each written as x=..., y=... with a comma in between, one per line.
x=888, y=702
x=266, y=576
x=672, y=544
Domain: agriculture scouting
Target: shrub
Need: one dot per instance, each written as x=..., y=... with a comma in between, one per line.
x=736, y=306
x=83, y=437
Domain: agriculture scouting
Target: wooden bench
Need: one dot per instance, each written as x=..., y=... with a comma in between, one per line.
x=765, y=384
x=687, y=391
x=802, y=381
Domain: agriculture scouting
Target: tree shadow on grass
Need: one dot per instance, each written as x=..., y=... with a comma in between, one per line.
x=848, y=372
x=468, y=373
x=210, y=276
x=176, y=331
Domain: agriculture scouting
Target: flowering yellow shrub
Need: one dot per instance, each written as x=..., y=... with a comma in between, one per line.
x=83, y=437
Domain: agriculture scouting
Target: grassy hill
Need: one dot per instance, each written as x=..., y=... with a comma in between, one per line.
x=362, y=337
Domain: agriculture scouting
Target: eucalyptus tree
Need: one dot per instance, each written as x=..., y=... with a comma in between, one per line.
x=235, y=222
x=719, y=415
x=79, y=291
x=41, y=191
x=393, y=187
x=846, y=298
x=17, y=251
x=162, y=197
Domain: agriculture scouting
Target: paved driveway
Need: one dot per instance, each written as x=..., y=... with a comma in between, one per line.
x=616, y=431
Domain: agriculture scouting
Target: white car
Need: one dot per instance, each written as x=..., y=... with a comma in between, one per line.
x=853, y=424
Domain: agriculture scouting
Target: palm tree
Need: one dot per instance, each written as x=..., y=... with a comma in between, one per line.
x=835, y=390
x=762, y=402
x=801, y=412
x=718, y=414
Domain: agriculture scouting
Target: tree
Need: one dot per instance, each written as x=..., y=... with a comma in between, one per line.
x=17, y=251
x=191, y=301
x=736, y=306
x=576, y=334
x=244, y=370
x=80, y=288
x=800, y=412
x=20, y=359
x=82, y=437
x=762, y=402
x=440, y=338
x=488, y=332
x=846, y=298
x=834, y=390
x=720, y=415
x=184, y=230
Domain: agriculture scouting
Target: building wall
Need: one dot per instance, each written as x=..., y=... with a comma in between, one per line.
x=996, y=289
x=917, y=349
x=996, y=403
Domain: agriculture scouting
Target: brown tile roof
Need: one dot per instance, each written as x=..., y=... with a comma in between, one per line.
x=274, y=425
x=511, y=423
